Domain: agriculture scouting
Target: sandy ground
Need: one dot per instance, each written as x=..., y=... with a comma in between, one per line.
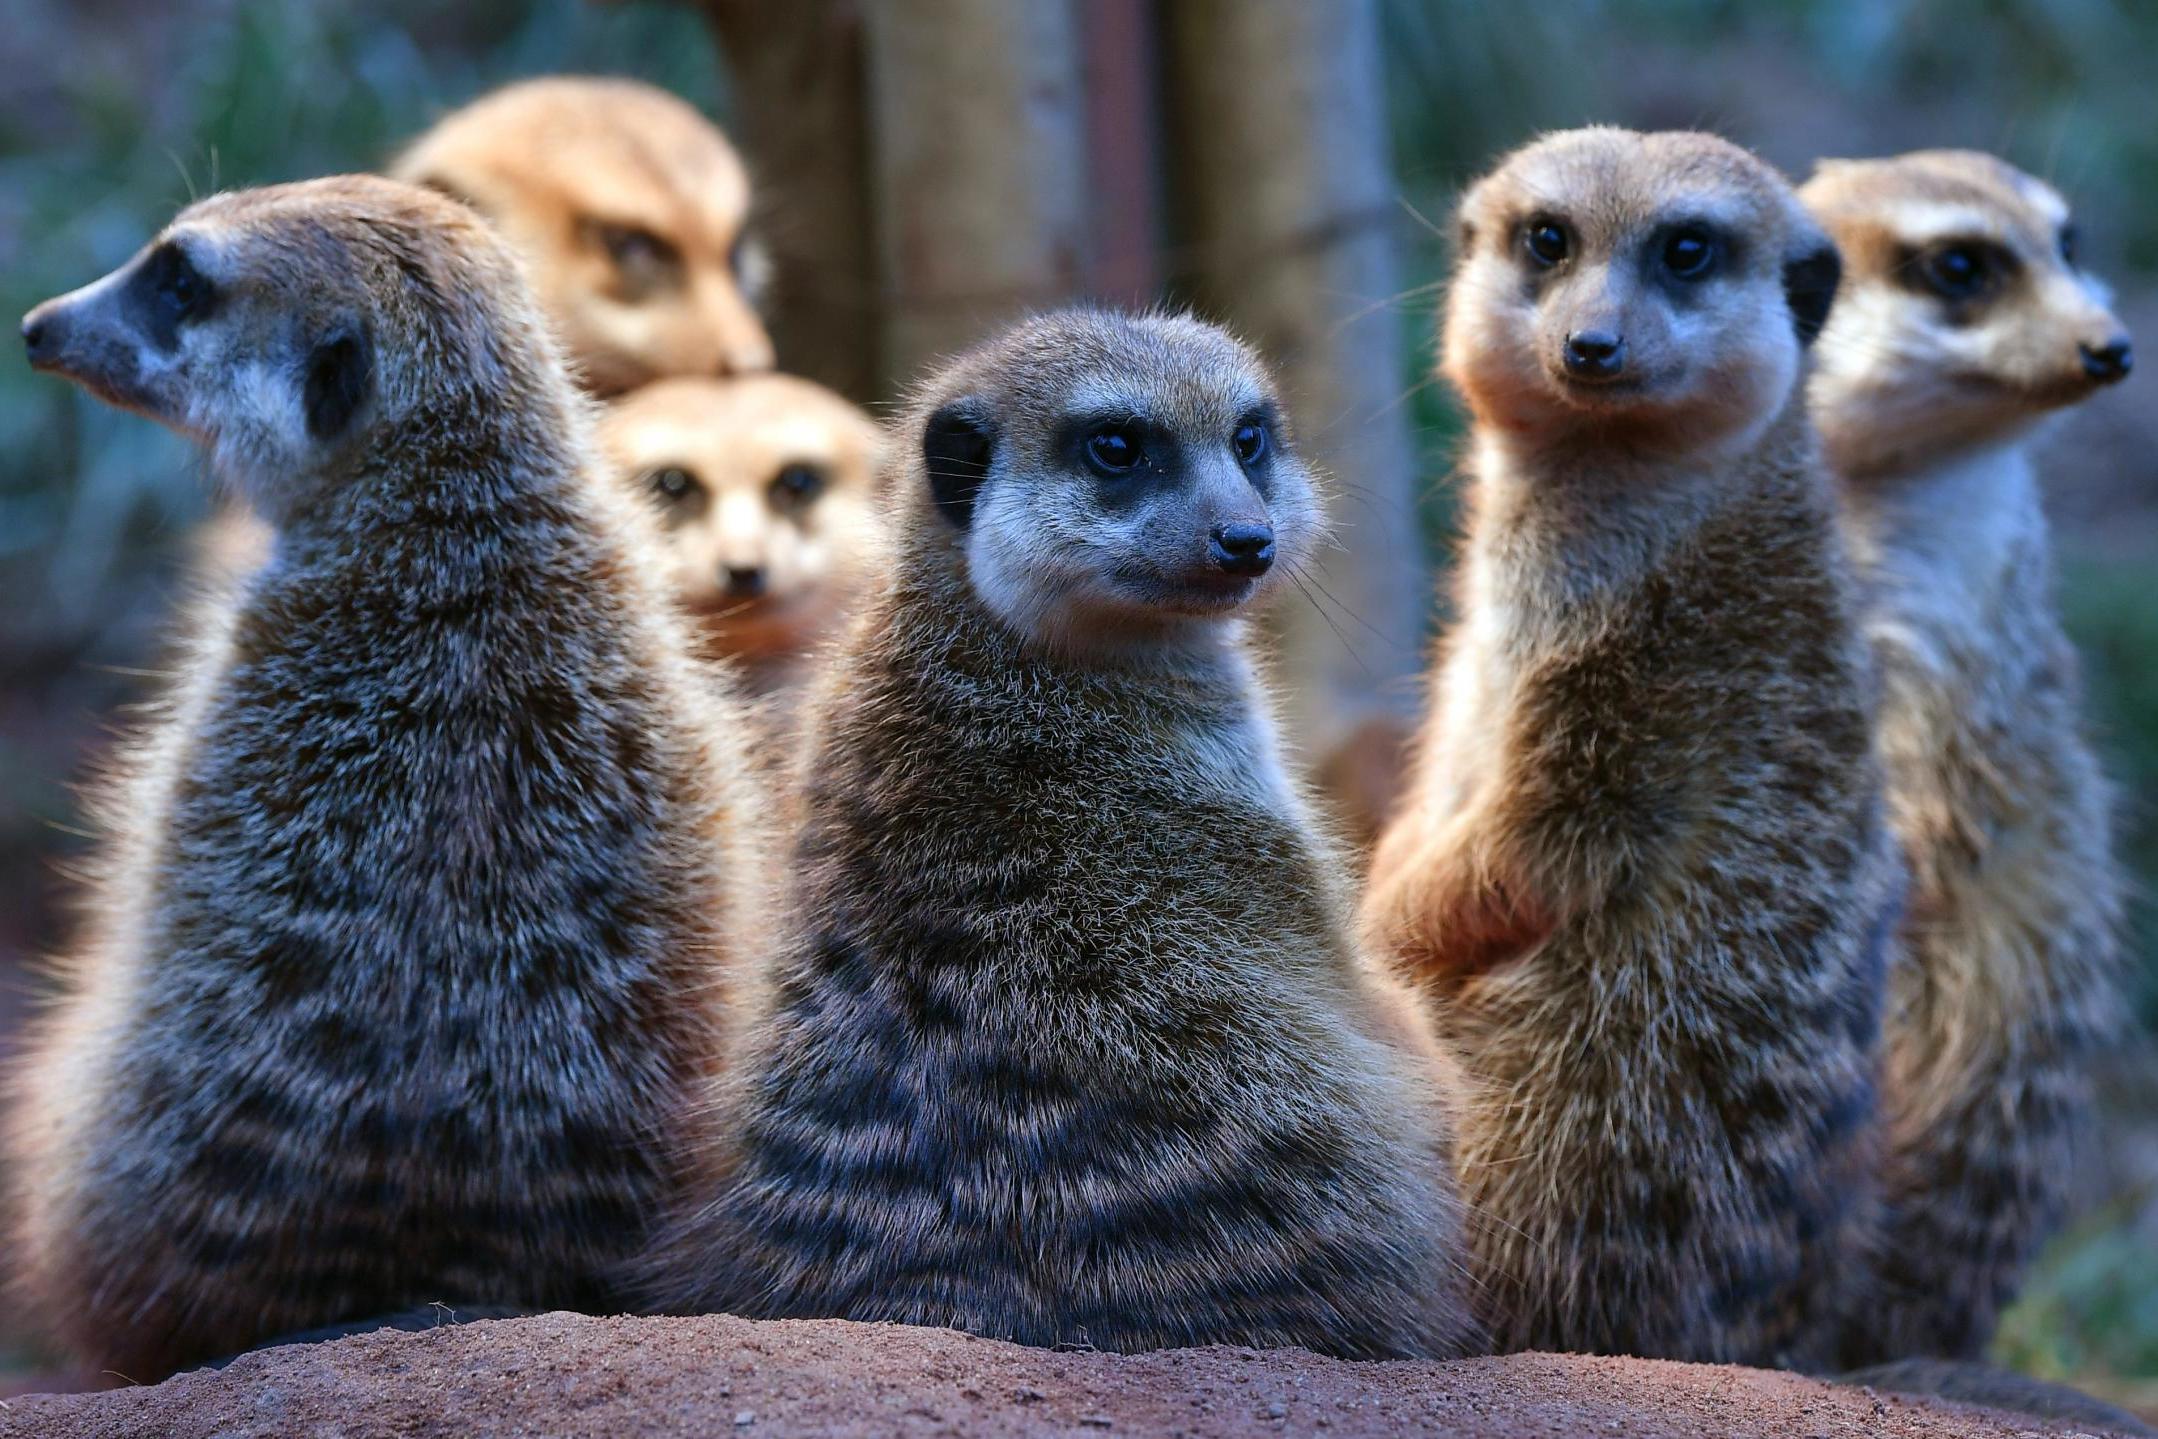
x=563, y=1375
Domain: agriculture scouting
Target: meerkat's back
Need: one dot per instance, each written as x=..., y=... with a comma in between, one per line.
x=411, y=936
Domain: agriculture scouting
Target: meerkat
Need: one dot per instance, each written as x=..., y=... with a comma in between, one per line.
x=1966, y=322
x=766, y=488
x=630, y=211
x=1073, y=1043
x=411, y=934
x=1642, y=872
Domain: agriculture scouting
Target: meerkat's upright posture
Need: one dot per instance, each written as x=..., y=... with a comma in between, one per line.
x=1073, y=1044
x=407, y=943
x=1643, y=871
x=629, y=209
x=1966, y=320
x=766, y=486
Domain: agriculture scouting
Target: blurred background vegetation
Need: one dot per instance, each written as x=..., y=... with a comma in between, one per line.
x=118, y=110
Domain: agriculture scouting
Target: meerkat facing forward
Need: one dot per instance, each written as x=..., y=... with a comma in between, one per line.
x=630, y=210
x=1966, y=321
x=1642, y=871
x=409, y=938
x=766, y=488
x=1073, y=1044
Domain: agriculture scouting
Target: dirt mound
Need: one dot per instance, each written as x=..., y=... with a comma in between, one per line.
x=564, y=1375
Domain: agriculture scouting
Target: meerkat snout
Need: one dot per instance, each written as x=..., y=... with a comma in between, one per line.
x=1244, y=549
x=2108, y=362
x=1595, y=354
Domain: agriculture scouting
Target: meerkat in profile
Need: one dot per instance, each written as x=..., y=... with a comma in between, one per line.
x=630, y=211
x=1073, y=1043
x=766, y=488
x=1966, y=321
x=1642, y=871
x=410, y=936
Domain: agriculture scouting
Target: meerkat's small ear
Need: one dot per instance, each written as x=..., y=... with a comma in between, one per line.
x=340, y=377
x=957, y=445
x=1810, y=276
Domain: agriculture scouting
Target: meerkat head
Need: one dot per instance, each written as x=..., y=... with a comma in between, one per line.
x=629, y=208
x=293, y=330
x=765, y=486
x=1966, y=315
x=1657, y=289
x=1113, y=481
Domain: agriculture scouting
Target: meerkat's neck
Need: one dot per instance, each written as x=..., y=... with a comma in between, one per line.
x=1935, y=545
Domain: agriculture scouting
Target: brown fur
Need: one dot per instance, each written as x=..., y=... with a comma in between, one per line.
x=766, y=571
x=628, y=208
x=1928, y=404
x=1072, y=1044
x=1641, y=870
x=408, y=936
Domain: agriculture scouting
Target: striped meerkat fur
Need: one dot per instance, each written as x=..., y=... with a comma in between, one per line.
x=406, y=943
x=1966, y=321
x=1642, y=872
x=1072, y=1043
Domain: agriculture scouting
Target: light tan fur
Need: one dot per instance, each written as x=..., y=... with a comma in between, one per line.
x=1641, y=870
x=628, y=208
x=766, y=489
x=1929, y=403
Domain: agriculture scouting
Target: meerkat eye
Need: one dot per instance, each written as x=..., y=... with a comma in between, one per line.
x=1250, y=442
x=645, y=261
x=672, y=483
x=1115, y=449
x=2071, y=244
x=1545, y=241
x=1957, y=272
x=795, y=488
x=181, y=289
x=1690, y=253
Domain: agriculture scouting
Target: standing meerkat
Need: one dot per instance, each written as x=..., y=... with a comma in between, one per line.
x=1073, y=1044
x=766, y=487
x=1966, y=322
x=630, y=211
x=407, y=943
x=1642, y=870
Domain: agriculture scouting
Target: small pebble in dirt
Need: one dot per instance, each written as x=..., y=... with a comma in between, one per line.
x=1097, y=1421
x=1028, y=1394
x=744, y=1418
x=1277, y=1410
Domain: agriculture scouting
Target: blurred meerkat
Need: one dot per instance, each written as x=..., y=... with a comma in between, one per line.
x=1966, y=321
x=409, y=935
x=766, y=488
x=1642, y=870
x=1074, y=1044
x=630, y=211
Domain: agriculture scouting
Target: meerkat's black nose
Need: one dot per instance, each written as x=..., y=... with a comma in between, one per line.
x=1594, y=354
x=2110, y=361
x=745, y=582
x=39, y=336
x=1243, y=549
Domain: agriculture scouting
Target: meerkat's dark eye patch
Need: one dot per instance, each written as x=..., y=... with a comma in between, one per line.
x=1116, y=447
x=2071, y=244
x=1959, y=271
x=1253, y=438
x=957, y=447
x=1691, y=252
x=340, y=377
x=1546, y=242
x=672, y=484
x=1809, y=288
x=170, y=291
x=795, y=488
x=644, y=261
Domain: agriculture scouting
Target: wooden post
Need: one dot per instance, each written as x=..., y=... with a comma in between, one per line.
x=1284, y=199
x=980, y=175
x=797, y=75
